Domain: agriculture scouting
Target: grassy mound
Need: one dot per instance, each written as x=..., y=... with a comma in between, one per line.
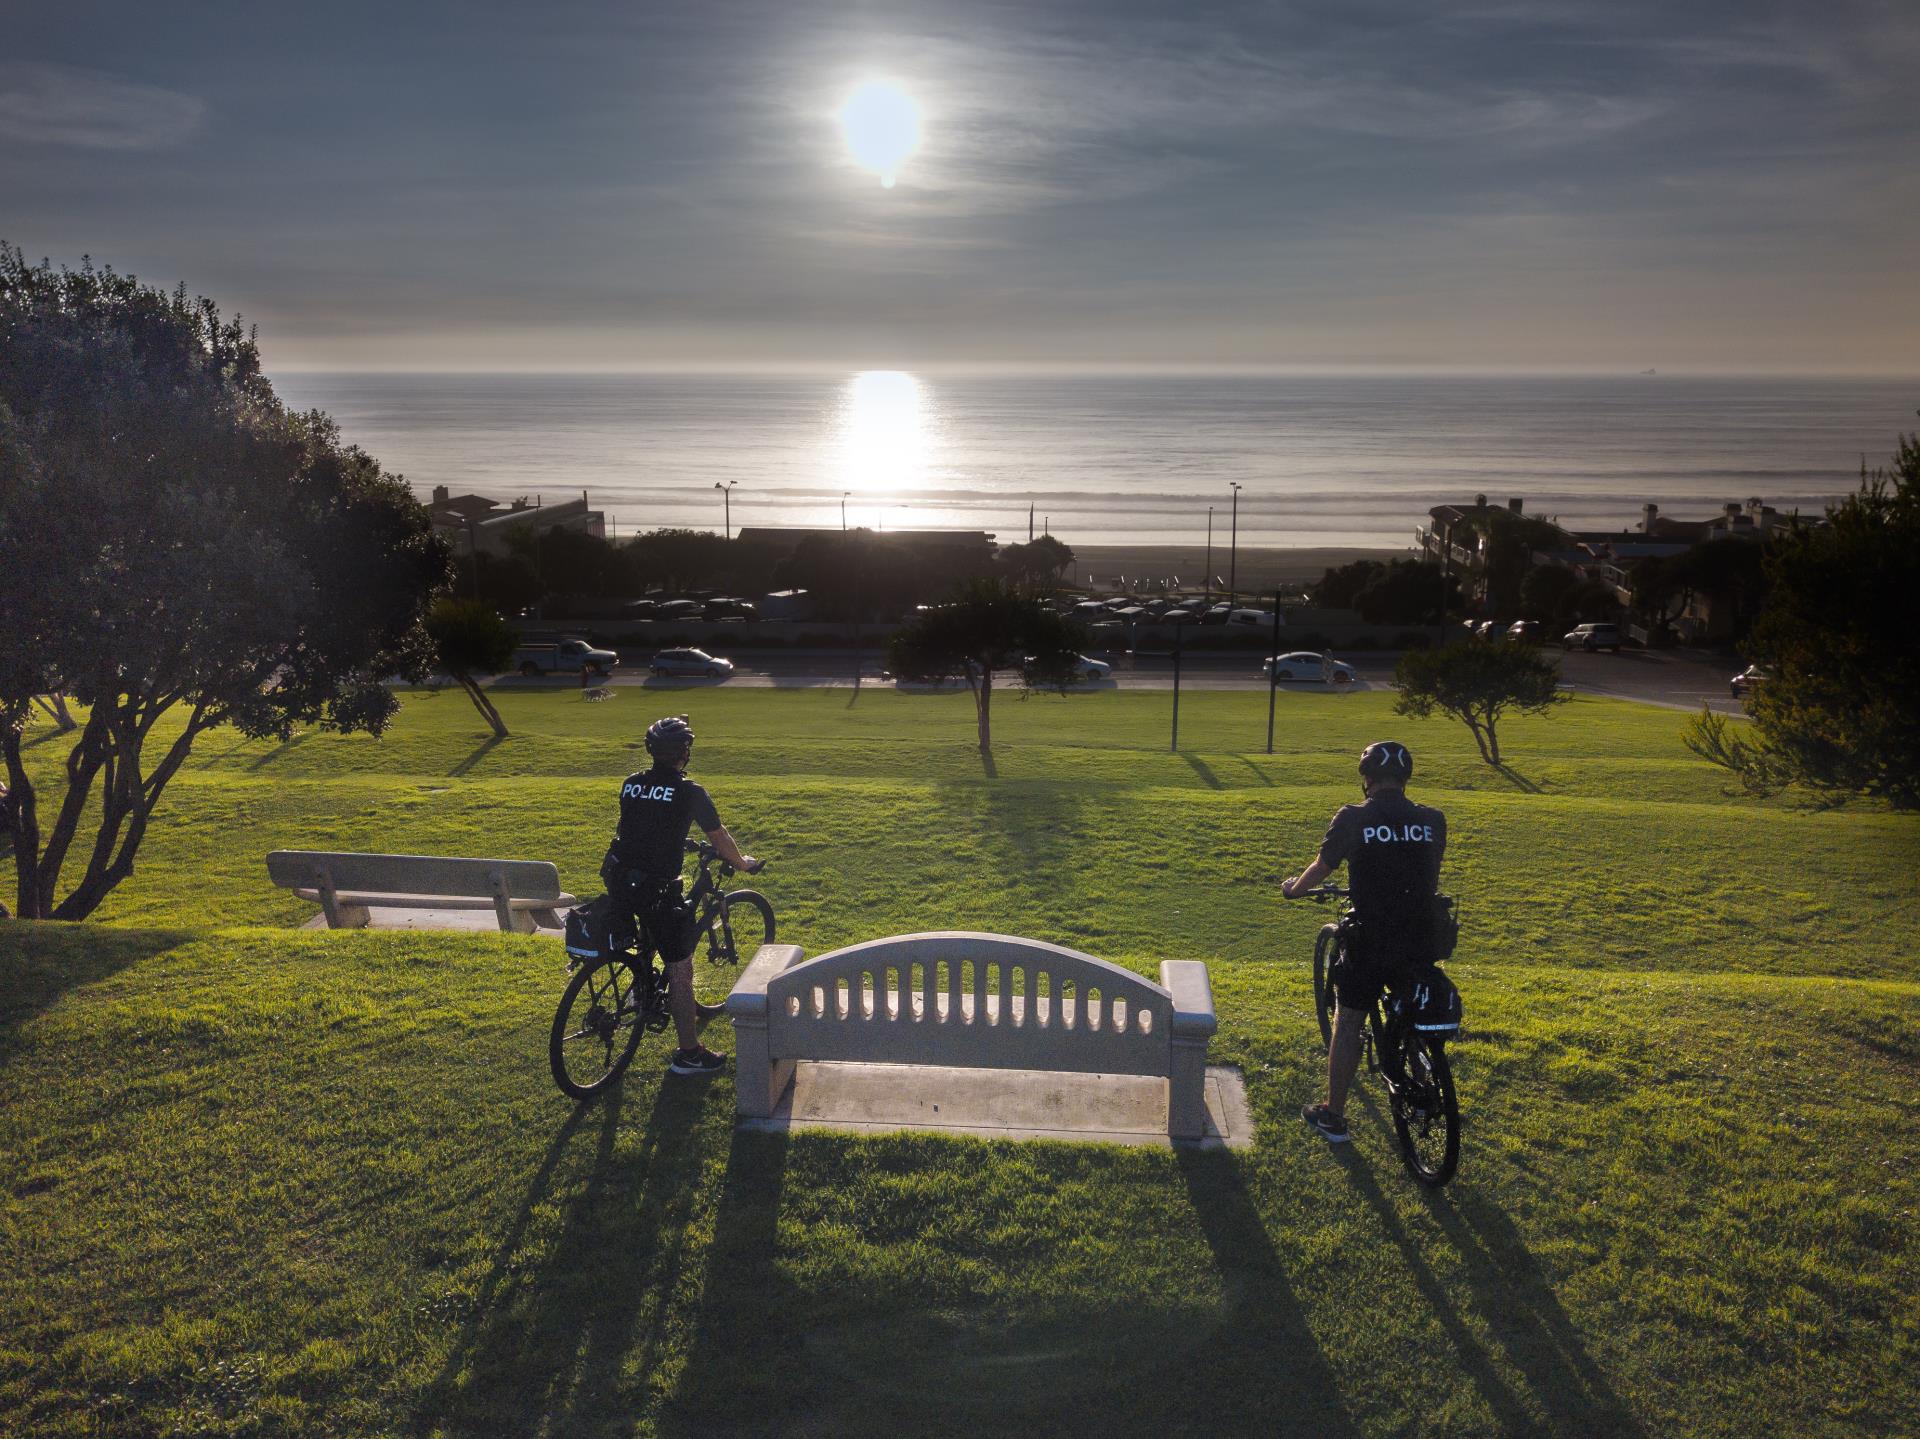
x=263, y=1181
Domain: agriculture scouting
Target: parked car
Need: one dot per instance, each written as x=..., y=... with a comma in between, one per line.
x=1748, y=680
x=728, y=608
x=1486, y=628
x=691, y=662
x=1524, y=632
x=1592, y=637
x=677, y=610
x=567, y=656
x=1308, y=665
x=1253, y=619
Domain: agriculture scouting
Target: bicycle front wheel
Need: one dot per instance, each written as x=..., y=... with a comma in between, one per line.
x=1426, y=1113
x=741, y=923
x=597, y=1027
x=1325, y=950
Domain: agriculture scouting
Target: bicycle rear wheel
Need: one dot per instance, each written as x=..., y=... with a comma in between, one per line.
x=741, y=923
x=1325, y=950
x=1426, y=1113
x=597, y=1026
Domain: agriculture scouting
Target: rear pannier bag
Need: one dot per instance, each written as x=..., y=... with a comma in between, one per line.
x=1431, y=1001
x=596, y=929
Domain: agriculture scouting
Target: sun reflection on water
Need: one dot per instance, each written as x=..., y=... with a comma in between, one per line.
x=883, y=434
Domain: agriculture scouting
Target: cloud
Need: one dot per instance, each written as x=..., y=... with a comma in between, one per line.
x=48, y=104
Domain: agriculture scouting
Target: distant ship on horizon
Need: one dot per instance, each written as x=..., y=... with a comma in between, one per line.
x=1649, y=372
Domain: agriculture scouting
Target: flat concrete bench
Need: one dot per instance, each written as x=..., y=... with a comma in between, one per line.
x=977, y=1001
x=524, y=894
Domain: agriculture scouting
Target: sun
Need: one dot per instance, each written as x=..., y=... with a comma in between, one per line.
x=881, y=123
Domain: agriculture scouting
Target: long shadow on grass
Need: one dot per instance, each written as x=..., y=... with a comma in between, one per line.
x=1540, y=1341
x=1510, y=1410
x=1516, y=779
x=568, y=1329
x=1266, y=1362
x=1516, y=1304
x=467, y=764
x=40, y=962
x=774, y=1352
x=1200, y=767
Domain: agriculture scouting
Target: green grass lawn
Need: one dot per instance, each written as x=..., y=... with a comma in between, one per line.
x=267, y=1182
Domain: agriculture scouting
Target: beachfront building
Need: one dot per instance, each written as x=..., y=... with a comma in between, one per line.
x=474, y=522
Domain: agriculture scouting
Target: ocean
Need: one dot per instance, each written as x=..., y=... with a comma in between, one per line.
x=1106, y=459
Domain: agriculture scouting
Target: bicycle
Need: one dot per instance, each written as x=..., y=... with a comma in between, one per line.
x=611, y=1001
x=1412, y=1065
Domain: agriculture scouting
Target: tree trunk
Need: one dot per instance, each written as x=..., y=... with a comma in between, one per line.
x=55, y=705
x=485, y=705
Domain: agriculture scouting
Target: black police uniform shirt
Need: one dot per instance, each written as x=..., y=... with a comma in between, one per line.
x=657, y=808
x=1392, y=848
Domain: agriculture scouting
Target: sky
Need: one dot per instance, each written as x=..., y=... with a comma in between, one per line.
x=1579, y=184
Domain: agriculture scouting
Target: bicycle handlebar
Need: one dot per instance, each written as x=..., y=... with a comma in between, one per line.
x=1324, y=893
x=708, y=854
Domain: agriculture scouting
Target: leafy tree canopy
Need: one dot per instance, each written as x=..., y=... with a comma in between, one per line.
x=1840, y=712
x=1478, y=681
x=470, y=640
x=175, y=541
x=989, y=625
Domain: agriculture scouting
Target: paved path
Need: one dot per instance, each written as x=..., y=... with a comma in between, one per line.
x=1673, y=679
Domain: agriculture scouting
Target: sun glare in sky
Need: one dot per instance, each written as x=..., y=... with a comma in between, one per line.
x=882, y=126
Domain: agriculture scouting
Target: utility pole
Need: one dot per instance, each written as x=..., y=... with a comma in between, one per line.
x=843, y=509
x=1273, y=668
x=726, y=495
x=1233, y=561
x=1029, y=522
x=1174, y=747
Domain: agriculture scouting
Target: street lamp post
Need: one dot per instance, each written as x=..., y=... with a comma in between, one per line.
x=1233, y=561
x=1207, y=578
x=726, y=495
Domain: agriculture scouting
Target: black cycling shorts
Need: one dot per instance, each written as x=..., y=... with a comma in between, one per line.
x=658, y=905
x=1369, y=966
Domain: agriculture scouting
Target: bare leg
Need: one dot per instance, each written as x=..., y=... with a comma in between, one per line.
x=680, y=1003
x=1343, y=1056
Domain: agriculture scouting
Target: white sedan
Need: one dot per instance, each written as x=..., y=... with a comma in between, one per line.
x=1307, y=665
x=1091, y=670
x=690, y=662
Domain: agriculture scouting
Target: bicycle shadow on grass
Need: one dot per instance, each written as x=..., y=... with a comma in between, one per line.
x=1515, y=1303
x=567, y=1329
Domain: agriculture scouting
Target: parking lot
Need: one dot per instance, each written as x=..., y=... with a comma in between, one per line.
x=1675, y=679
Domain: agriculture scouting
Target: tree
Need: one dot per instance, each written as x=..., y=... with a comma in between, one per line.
x=1547, y=594
x=989, y=625
x=1840, y=710
x=1037, y=563
x=470, y=639
x=1341, y=585
x=1407, y=592
x=177, y=551
x=1478, y=681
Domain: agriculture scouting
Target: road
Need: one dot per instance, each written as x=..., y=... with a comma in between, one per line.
x=1673, y=679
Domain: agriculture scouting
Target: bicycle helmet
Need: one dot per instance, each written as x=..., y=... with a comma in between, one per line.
x=1385, y=759
x=670, y=738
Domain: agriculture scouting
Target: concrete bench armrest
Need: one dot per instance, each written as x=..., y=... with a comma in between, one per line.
x=1186, y=980
x=749, y=997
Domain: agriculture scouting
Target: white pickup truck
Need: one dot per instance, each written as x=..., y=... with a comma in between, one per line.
x=566, y=656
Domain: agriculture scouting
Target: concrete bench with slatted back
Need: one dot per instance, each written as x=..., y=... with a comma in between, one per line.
x=971, y=1000
x=524, y=894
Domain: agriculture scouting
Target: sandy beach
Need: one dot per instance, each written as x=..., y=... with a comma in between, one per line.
x=1255, y=569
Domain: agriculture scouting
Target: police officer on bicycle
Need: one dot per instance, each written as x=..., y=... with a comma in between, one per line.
x=1392, y=848
x=642, y=871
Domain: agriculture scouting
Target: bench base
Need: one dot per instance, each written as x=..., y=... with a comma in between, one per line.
x=433, y=912
x=1003, y=1104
